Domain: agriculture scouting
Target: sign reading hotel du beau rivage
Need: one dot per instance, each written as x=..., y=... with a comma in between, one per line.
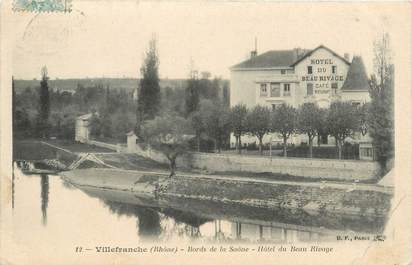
x=297, y=76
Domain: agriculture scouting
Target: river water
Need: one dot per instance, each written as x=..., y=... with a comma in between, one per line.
x=47, y=207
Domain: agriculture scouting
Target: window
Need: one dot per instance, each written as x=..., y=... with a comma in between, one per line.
x=356, y=103
x=309, y=70
x=333, y=69
x=334, y=88
x=366, y=152
x=283, y=71
x=286, y=89
x=275, y=90
x=263, y=90
x=309, y=87
x=273, y=106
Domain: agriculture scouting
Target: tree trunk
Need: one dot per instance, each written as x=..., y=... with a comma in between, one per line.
x=310, y=147
x=237, y=144
x=198, y=143
x=214, y=145
x=240, y=145
x=172, y=166
x=339, y=149
x=261, y=145
x=284, y=146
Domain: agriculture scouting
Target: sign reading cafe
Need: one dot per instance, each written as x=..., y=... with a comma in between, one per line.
x=320, y=73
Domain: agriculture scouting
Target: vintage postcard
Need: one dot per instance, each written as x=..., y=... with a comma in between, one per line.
x=205, y=132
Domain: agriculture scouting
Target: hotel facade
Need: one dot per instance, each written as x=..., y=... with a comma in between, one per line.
x=296, y=76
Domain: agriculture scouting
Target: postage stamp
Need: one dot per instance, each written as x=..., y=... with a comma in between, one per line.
x=42, y=5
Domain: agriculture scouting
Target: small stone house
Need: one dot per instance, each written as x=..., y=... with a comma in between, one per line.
x=82, y=130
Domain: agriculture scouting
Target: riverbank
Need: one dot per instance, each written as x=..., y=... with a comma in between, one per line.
x=314, y=197
x=185, y=209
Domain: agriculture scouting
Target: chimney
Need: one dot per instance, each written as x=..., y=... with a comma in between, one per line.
x=298, y=53
x=254, y=53
x=346, y=56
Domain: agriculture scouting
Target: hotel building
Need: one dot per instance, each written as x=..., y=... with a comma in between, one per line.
x=297, y=76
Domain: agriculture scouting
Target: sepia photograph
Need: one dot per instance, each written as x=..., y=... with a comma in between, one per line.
x=189, y=132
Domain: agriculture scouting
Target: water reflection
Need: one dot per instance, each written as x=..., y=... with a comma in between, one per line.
x=148, y=220
x=121, y=214
x=44, y=194
x=216, y=221
x=13, y=177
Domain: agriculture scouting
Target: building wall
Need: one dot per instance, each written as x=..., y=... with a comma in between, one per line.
x=82, y=131
x=310, y=168
x=245, y=84
x=243, y=87
x=321, y=62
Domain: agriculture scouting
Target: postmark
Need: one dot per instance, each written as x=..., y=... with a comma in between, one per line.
x=42, y=5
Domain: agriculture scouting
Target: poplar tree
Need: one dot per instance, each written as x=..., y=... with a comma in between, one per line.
x=148, y=102
x=381, y=114
x=192, y=96
x=44, y=105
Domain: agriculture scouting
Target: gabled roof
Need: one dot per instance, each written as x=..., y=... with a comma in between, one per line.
x=317, y=48
x=356, y=78
x=85, y=116
x=130, y=133
x=270, y=59
x=281, y=58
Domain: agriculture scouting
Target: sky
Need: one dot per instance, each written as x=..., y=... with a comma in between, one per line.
x=109, y=38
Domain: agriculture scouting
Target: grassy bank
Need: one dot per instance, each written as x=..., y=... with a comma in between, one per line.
x=78, y=147
x=32, y=150
x=36, y=149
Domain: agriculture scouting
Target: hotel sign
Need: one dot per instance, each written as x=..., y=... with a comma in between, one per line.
x=321, y=75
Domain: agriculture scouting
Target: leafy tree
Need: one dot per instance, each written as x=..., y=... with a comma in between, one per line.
x=44, y=105
x=95, y=126
x=123, y=123
x=13, y=105
x=363, y=118
x=216, y=121
x=238, y=116
x=68, y=126
x=284, y=123
x=55, y=123
x=381, y=110
x=21, y=123
x=226, y=93
x=197, y=123
x=107, y=125
x=322, y=130
x=192, y=96
x=173, y=100
x=169, y=135
x=309, y=120
x=148, y=103
x=341, y=122
x=258, y=123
